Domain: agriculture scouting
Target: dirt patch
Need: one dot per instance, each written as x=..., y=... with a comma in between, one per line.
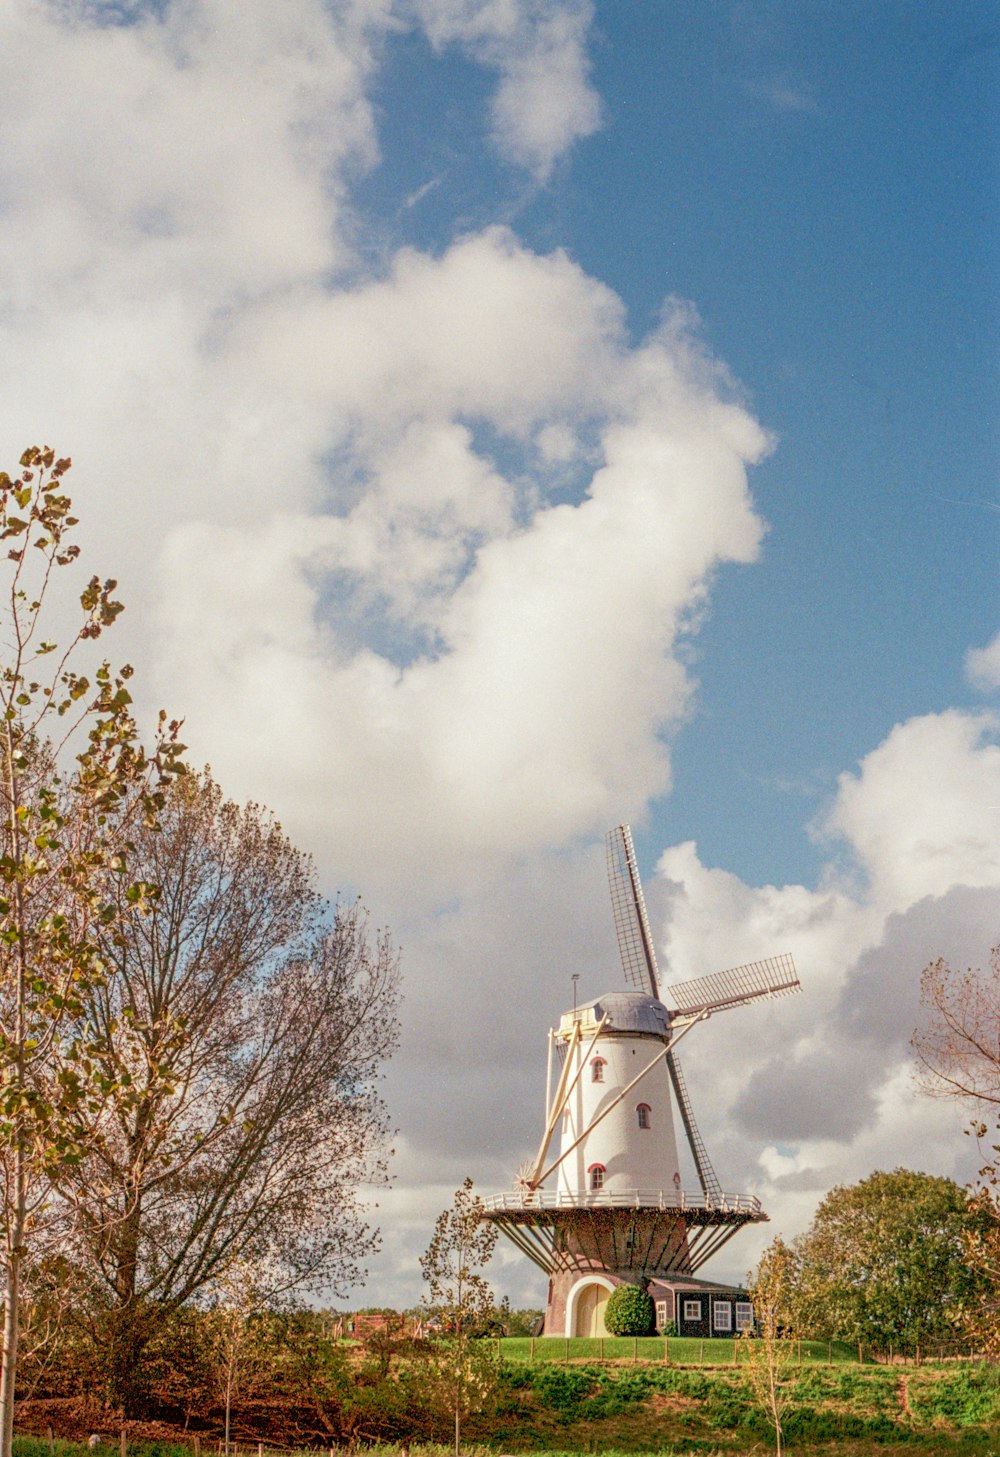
x=903, y=1395
x=672, y=1402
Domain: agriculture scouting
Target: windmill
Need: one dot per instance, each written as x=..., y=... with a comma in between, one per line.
x=618, y=1211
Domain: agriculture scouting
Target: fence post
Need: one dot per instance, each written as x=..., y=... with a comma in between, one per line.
x=861, y=1359
x=635, y=1349
x=197, y=1445
x=701, y=1354
x=602, y=1348
x=121, y=1442
x=52, y=1438
x=566, y=1356
x=666, y=1350
x=798, y=1351
x=531, y=1353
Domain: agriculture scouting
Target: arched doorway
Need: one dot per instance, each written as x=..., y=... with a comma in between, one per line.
x=587, y=1302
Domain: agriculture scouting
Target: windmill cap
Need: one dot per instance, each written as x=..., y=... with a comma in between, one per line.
x=626, y=1012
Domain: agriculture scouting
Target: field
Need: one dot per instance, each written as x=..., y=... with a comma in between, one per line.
x=680, y=1350
x=621, y=1408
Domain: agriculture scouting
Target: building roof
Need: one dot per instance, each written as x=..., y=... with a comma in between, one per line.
x=630, y=1012
x=691, y=1282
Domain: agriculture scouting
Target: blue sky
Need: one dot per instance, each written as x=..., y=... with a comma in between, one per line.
x=510, y=417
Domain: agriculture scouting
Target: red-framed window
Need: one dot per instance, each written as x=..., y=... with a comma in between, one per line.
x=645, y=1115
x=596, y=1174
x=597, y=1066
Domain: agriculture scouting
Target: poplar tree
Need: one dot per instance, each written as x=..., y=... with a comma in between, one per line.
x=70, y=760
x=462, y=1245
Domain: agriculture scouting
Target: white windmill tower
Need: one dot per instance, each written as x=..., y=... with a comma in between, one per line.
x=616, y=1210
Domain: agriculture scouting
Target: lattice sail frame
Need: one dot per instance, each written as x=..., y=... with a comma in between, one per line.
x=635, y=939
x=703, y=995
x=688, y=1002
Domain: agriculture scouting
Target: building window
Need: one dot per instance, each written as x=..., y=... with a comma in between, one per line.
x=597, y=1172
x=692, y=1310
x=744, y=1315
x=642, y=1113
x=722, y=1316
x=661, y=1314
x=597, y=1070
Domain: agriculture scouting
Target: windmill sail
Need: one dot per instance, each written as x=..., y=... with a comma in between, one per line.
x=710, y=1185
x=635, y=940
x=700, y=997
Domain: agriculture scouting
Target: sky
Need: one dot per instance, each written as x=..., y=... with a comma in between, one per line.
x=509, y=418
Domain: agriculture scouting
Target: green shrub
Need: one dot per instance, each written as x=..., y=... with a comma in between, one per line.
x=629, y=1312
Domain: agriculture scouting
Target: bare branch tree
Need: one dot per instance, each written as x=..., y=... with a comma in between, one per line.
x=959, y=1047
x=250, y=1021
x=959, y=1053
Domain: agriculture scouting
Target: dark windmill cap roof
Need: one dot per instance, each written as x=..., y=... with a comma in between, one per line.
x=632, y=1012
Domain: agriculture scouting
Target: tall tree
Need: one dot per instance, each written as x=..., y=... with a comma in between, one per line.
x=74, y=781
x=883, y=1262
x=452, y=1266
x=250, y=1021
x=959, y=1052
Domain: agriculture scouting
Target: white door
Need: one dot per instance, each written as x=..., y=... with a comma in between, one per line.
x=588, y=1317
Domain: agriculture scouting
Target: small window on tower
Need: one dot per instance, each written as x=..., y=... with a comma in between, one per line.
x=597, y=1172
x=597, y=1070
x=643, y=1114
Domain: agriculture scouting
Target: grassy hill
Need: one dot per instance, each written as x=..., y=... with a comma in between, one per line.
x=554, y=1406
x=833, y=1410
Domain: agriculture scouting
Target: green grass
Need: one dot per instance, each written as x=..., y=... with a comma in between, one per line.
x=31, y=1446
x=682, y=1350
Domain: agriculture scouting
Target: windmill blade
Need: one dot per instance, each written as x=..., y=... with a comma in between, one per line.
x=710, y=1186
x=635, y=941
x=700, y=997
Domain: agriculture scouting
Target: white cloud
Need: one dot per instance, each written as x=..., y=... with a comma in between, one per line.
x=545, y=101
x=200, y=150
x=498, y=665
x=982, y=666
x=923, y=813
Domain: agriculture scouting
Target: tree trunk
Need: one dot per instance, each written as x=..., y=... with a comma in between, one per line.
x=8, y=1370
x=130, y=1330
x=17, y=1213
x=127, y=1339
